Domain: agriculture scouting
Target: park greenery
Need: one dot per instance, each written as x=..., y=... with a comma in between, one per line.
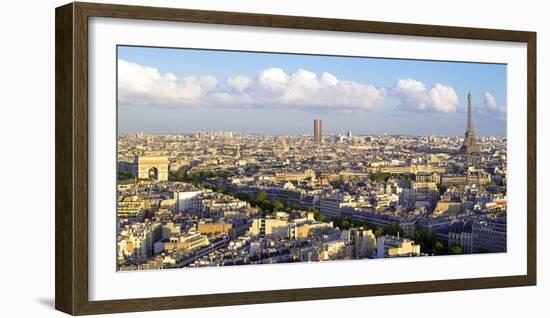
x=347, y=223
x=125, y=176
x=266, y=205
x=198, y=177
x=456, y=250
x=261, y=201
x=380, y=176
x=429, y=244
x=337, y=184
x=406, y=178
x=442, y=188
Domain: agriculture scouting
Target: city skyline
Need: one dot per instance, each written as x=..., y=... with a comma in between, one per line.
x=317, y=134
x=219, y=199
x=182, y=91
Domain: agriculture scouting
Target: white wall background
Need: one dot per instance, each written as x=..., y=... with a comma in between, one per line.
x=27, y=157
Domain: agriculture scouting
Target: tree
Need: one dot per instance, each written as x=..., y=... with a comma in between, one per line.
x=438, y=248
x=182, y=173
x=442, y=189
x=393, y=229
x=377, y=232
x=242, y=196
x=337, y=184
x=336, y=221
x=407, y=180
x=320, y=217
x=278, y=206
x=482, y=250
x=345, y=225
x=456, y=250
x=380, y=176
x=225, y=174
x=251, y=168
x=262, y=196
x=312, y=209
x=124, y=176
x=426, y=241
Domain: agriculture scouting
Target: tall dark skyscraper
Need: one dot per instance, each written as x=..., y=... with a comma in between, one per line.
x=317, y=130
x=470, y=145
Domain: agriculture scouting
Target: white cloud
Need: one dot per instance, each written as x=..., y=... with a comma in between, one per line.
x=329, y=79
x=143, y=85
x=239, y=82
x=489, y=101
x=274, y=79
x=416, y=96
x=490, y=105
x=273, y=87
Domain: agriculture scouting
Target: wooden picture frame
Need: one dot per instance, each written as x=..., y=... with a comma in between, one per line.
x=71, y=155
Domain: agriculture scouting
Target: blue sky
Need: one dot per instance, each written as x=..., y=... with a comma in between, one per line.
x=183, y=90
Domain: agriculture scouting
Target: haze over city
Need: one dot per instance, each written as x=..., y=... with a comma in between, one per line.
x=183, y=91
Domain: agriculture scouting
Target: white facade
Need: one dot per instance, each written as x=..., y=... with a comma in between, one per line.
x=189, y=201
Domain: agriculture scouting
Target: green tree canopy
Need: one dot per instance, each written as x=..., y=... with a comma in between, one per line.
x=456, y=250
x=125, y=176
x=482, y=250
x=262, y=196
x=380, y=176
x=345, y=225
x=438, y=248
x=442, y=189
x=337, y=184
x=242, y=196
x=426, y=240
x=278, y=206
x=393, y=229
x=320, y=217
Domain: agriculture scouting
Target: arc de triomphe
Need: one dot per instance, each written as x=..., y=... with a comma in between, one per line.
x=152, y=167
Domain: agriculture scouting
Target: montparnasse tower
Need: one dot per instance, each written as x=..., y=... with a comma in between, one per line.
x=470, y=145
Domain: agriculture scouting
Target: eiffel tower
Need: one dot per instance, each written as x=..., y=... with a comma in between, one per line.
x=470, y=146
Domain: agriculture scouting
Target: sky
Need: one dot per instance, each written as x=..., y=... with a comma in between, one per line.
x=168, y=90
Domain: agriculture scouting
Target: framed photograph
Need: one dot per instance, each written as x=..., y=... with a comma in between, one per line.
x=211, y=158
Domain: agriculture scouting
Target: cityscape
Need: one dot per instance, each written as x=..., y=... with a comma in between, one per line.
x=243, y=196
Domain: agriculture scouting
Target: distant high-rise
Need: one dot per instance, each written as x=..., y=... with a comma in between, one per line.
x=284, y=145
x=470, y=145
x=317, y=130
x=238, y=151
